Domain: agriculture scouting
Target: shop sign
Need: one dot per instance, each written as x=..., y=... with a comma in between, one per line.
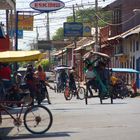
x=47, y=5
x=73, y=29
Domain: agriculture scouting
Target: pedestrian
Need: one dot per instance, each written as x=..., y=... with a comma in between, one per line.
x=41, y=76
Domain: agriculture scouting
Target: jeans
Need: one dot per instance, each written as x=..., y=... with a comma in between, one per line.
x=91, y=84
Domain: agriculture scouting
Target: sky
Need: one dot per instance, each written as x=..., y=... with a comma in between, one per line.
x=57, y=19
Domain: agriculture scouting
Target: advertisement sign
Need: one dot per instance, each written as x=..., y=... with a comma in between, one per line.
x=47, y=5
x=44, y=45
x=73, y=29
x=25, y=22
x=12, y=33
x=86, y=30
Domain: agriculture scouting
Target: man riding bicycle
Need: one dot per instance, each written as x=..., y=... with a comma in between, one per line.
x=72, y=83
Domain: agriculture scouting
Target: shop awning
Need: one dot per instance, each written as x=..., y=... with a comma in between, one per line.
x=88, y=43
x=19, y=56
x=59, y=52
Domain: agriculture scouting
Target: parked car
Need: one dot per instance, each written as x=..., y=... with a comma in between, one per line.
x=50, y=76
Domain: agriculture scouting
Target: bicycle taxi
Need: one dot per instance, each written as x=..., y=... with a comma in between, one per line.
x=58, y=85
x=68, y=90
x=32, y=117
x=127, y=83
x=100, y=64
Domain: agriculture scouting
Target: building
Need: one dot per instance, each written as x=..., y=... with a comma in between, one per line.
x=9, y=7
x=123, y=35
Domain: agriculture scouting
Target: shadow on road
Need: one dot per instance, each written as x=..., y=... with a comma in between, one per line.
x=5, y=131
x=28, y=136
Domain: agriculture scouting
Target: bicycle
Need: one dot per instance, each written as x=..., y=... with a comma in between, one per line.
x=70, y=92
x=37, y=119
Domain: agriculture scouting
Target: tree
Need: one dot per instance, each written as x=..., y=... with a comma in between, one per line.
x=86, y=16
x=59, y=35
x=44, y=63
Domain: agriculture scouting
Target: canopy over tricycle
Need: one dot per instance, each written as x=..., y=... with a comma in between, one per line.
x=99, y=78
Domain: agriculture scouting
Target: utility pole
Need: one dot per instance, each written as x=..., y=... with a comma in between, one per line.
x=96, y=46
x=48, y=34
x=47, y=28
x=73, y=54
x=37, y=35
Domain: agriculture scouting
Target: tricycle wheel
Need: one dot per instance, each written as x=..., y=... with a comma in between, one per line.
x=86, y=97
x=101, y=98
x=111, y=100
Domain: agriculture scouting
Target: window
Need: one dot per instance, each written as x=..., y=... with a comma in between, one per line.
x=137, y=45
x=130, y=46
x=133, y=62
x=133, y=46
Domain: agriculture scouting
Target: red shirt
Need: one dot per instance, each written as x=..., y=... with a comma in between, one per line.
x=5, y=73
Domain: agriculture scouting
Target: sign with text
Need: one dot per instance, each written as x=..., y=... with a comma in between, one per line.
x=73, y=29
x=47, y=5
x=44, y=45
x=25, y=22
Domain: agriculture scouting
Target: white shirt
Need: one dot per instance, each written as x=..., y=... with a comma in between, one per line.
x=90, y=74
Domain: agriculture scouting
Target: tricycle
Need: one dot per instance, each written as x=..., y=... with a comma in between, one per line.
x=97, y=76
x=59, y=86
x=37, y=119
x=17, y=87
x=125, y=82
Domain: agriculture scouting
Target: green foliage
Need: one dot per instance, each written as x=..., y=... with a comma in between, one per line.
x=44, y=63
x=59, y=35
x=86, y=16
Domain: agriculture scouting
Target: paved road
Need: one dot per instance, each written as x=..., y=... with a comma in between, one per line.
x=73, y=120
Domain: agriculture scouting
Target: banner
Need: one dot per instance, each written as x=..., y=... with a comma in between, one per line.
x=25, y=22
x=86, y=30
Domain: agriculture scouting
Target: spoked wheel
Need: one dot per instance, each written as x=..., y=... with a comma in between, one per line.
x=81, y=93
x=38, y=119
x=111, y=99
x=68, y=94
x=86, y=97
x=101, y=98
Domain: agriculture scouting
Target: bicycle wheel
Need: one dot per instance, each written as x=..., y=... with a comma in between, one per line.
x=81, y=93
x=86, y=97
x=68, y=93
x=38, y=119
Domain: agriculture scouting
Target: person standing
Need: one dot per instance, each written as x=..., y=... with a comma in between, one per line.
x=41, y=76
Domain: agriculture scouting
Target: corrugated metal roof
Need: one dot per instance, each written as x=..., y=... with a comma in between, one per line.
x=135, y=30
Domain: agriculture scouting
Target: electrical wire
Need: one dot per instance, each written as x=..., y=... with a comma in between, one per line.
x=117, y=24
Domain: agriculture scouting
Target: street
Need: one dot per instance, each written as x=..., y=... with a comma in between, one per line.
x=73, y=120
